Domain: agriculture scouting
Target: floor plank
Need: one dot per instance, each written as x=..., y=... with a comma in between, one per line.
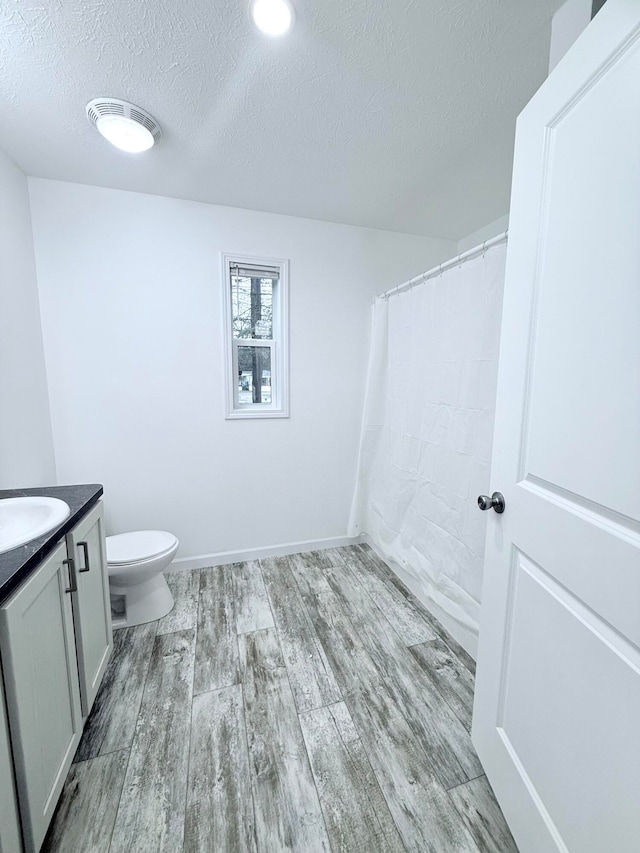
x=355, y=812
x=87, y=808
x=347, y=584
x=446, y=741
x=451, y=678
x=335, y=555
x=309, y=576
x=421, y=808
x=216, y=663
x=112, y=721
x=418, y=802
x=253, y=612
x=185, y=588
x=483, y=817
x=152, y=806
x=219, y=800
x=347, y=656
x=321, y=559
x=312, y=680
x=407, y=618
x=384, y=572
x=287, y=810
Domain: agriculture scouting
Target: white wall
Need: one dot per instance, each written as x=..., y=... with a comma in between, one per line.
x=131, y=303
x=566, y=25
x=498, y=226
x=26, y=447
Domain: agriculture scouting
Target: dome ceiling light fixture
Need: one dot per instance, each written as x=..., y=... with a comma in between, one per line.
x=126, y=126
x=273, y=17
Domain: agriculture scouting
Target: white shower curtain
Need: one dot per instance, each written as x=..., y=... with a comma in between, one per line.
x=427, y=432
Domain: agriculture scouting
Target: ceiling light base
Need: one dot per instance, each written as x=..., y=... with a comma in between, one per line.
x=126, y=126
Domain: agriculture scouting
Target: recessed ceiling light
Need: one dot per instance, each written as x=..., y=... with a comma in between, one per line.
x=126, y=126
x=273, y=17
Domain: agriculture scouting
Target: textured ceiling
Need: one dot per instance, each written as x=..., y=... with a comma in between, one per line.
x=395, y=114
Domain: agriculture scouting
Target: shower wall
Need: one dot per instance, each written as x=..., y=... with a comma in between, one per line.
x=427, y=436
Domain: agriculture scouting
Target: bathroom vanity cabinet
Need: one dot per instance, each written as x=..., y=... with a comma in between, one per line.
x=55, y=643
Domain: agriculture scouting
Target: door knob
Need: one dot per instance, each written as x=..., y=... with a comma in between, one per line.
x=496, y=502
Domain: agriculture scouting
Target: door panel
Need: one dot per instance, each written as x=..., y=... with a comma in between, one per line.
x=548, y=705
x=91, y=604
x=41, y=683
x=558, y=687
x=593, y=555
x=587, y=345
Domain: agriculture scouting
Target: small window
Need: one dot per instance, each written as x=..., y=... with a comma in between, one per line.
x=255, y=316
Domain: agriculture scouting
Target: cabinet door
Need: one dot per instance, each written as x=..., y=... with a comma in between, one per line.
x=41, y=686
x=10, y=840
x=91, y=603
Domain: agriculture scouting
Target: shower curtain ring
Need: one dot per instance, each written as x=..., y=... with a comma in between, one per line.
x=484, y=249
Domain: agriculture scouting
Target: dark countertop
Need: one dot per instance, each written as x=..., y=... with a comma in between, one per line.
x=18, y=563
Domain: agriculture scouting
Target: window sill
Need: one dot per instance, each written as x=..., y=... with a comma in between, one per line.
x=241, y=415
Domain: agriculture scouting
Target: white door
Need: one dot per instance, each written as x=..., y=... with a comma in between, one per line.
x=91, y=603
x=557, y=711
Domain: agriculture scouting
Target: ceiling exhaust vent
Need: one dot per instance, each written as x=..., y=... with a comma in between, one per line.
x=113, y=117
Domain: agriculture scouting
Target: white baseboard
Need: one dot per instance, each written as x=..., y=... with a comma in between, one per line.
x=467, y=639
x=205, y=561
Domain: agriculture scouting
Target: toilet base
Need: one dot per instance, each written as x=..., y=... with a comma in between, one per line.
x=140, y=603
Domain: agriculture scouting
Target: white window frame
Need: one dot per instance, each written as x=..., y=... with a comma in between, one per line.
x=279, y=344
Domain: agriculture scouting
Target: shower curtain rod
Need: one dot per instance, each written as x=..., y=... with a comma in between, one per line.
x=440, y=268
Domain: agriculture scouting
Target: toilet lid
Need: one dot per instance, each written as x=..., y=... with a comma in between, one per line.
x=137, y=546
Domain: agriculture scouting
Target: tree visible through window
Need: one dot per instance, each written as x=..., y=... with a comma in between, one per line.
x=256, y=307
x=252, y=318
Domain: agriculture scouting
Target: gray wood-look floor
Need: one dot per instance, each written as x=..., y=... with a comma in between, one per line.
x=304, y=703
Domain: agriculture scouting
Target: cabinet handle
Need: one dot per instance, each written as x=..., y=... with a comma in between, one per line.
x=85, y=550
x=73, y=583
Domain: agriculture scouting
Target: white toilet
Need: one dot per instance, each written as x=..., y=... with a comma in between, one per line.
x=139, y=591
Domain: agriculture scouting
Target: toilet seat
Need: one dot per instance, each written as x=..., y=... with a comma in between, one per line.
x=138, y=546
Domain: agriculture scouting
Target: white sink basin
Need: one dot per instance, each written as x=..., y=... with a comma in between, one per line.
x=24, y=519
